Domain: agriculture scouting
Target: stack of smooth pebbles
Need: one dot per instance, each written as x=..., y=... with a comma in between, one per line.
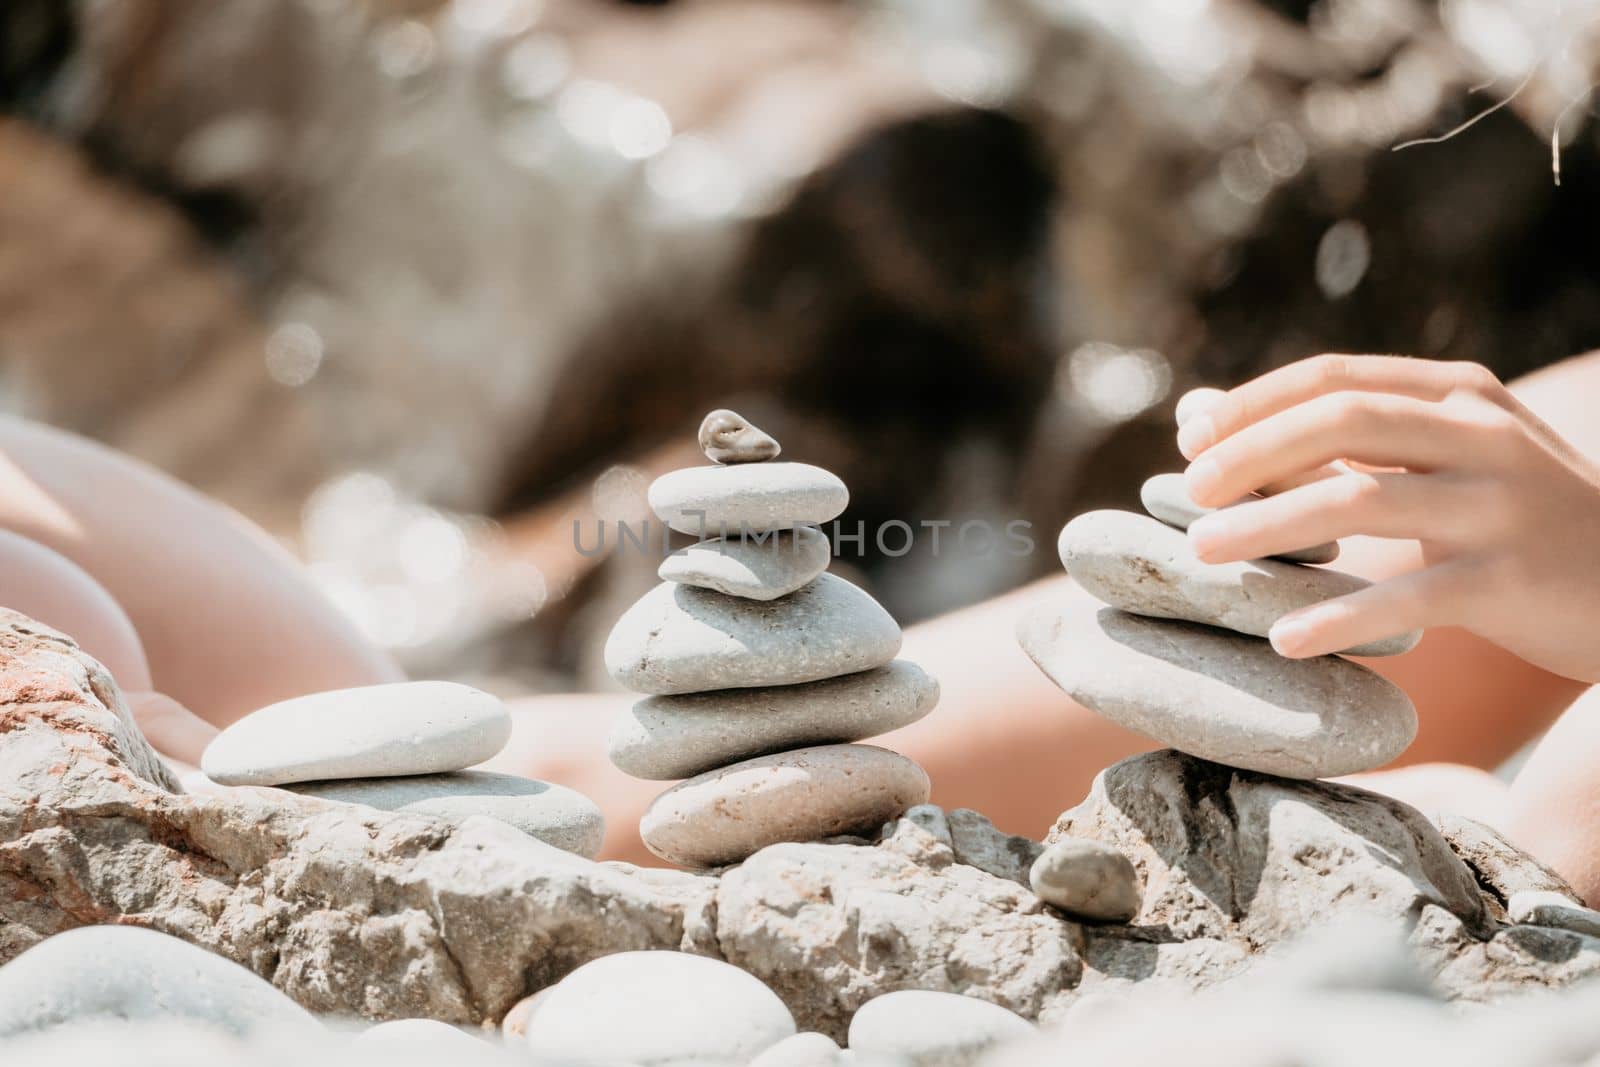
x=402, y=747
x=1179, y=654
x=759, y=666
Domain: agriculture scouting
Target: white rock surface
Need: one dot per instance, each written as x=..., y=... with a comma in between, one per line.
x=1135, y=563
x=1088, y=880
x=809, y=1049
x=671, y=737
x=764, y=569
x=442, y=1038
x=1545, y=907
x=678, y=639
x=657, y=1009
x=1166, y=496
x=369, y=732
x=122, y=973
x=931, y=1029
x=554, y=814
x=724, y=815
x=747, y=497
x=1222, y=697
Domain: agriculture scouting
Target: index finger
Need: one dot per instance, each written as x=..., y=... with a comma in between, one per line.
x=1281, y=389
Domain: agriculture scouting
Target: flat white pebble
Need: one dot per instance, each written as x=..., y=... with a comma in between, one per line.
x=126, y=973
x=370, y=732
x=763, y=569
x=746, y=497
x=672, y=737
x=933, y=1029
x=678, y=639
x=554, y=814
x=657, y=1009
x=801, y=1050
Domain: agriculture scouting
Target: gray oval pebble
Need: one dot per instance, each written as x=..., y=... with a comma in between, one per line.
x=679, y=639
x=554, y=814
x=1087, y=880
x=1222, y=697
x=727, y=814
x=670, y=737
x=765, y=569
x=369, y=732
x=746, y=498
x=1135, y=563
x=926, y=1028
x=1166, y=496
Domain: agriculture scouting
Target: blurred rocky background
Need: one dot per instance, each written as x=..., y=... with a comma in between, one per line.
x=419, y=284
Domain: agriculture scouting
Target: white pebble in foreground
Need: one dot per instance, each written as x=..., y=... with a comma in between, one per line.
x=657, y=1009
x=767, y=569
x=931, y=1029
x=801, y=1050
x=554, y=814
x=678, y=639
x=370, y=732
x=125, y=973
x=1219, y=696
x=729, y=813
x=1086, y=880
x=746, y=498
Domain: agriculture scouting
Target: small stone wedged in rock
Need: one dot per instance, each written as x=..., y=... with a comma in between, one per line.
x=728, y=437
x=1222, y=696
x=552, y=813
x=724, y=815
x=670, y=737
x=1145, y=567
x=406, y=728
x=1166, y=497
x=764, y=569
x=658, y=1008
x=1542, y=907
x=746, y=498
x=926, y=1028
x=677, y=639
x=1086, y=880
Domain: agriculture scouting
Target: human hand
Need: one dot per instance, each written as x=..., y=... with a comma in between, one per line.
x=1506, y=513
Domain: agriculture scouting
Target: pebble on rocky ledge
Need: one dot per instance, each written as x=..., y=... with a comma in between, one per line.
x=1087, y=880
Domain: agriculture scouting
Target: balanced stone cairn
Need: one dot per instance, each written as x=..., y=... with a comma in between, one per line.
x=1179, y=653
x=758, y=667
x=401, y=747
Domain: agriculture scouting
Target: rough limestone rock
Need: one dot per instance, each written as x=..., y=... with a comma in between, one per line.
x=389, y=915
x=1502, y=868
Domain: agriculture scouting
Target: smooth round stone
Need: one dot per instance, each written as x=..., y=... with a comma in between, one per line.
x=766, y=569
x=1087, y=880
x=1166, y=496
x=663, y=738
x=679, y=639
x=728, y=437
x=658, y=1008
x=125, y=973
x=554, y=814
x=1222, y=697
x=371, y=732
x=931, y=1029
x=801, y=1050
x=1140, y=565
x=725, y=815
x=746, y=498
x=401, y=1032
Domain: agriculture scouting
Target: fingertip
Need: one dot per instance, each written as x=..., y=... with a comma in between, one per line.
x=1202, y=480
x=1290, y=638
x=1206, y=538
x=1196, y=435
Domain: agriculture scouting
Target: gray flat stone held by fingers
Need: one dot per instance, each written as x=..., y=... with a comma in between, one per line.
x=371, y=732
x=1140, y=565
x=730, y=813
x=1087, y=879
x=1224, y=698
x=658, y=1008
x=554, y=814
x=679, y=639
x=728, y=437
x=1166, y=496
x=748, y=497
x=755, y=570
x=926, y=1028
x=125, y=973
x=670, y=737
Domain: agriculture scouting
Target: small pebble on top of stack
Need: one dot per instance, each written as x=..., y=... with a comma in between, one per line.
x=1179, y=654
x=758, y=667
x=401, y=747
